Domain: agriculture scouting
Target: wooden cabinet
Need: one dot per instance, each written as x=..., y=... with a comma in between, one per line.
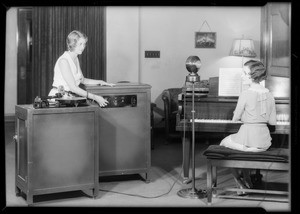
x=276, y=38
x=56, y=150
x=124, y=129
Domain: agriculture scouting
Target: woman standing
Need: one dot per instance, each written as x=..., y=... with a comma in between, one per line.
x=67, y=71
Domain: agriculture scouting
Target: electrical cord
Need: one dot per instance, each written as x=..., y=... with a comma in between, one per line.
x=143, y=196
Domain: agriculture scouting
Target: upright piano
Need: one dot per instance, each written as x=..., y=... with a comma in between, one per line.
x=213, y=114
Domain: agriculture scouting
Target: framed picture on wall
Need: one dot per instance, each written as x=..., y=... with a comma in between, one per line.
x=205, y=39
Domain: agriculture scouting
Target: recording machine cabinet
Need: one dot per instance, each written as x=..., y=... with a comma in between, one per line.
x=124, y=129
x=56, y=150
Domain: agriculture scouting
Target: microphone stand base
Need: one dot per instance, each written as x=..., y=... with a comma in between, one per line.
x=186, y=180
x=191, y=193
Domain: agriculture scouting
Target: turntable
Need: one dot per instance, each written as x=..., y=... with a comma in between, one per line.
x=58, y=101
x=70, y=101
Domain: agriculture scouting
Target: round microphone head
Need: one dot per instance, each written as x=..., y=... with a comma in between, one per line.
x=193, y=64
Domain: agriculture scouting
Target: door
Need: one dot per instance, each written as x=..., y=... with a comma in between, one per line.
x=24, y=59
x=276, y=38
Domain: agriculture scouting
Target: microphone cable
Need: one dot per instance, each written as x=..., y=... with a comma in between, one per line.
x=144, y=196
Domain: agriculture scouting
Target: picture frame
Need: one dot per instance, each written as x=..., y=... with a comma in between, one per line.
x=205, y=39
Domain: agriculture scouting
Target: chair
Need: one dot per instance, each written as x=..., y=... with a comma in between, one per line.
x=170, y=99
x=275, y=159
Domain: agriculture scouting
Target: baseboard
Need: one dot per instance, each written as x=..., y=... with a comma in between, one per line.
x=9, y=118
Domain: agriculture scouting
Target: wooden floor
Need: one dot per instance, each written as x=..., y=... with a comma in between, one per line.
x=165, y=182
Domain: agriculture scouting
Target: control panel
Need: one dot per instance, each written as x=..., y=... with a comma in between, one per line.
x=117, y=101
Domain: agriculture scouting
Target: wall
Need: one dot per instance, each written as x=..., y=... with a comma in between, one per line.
x=122, y=43
x=10, y=93
x=171, y=30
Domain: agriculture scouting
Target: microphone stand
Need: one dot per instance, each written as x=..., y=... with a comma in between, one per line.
x=192, y=192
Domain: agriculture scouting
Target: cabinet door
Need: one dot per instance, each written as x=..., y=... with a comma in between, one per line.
x=21, y=150
x=124, y=145
x=278, y=52
x=63, y=150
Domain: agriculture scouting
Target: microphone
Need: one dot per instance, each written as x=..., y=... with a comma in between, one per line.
x=193, y=65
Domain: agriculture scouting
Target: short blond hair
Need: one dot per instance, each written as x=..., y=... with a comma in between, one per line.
x=73, y=38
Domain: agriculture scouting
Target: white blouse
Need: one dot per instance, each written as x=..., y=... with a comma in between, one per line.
x=58, y=79
x=256, y=105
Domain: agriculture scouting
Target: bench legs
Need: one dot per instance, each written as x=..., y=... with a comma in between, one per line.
x=211, y=181
x=212, y=188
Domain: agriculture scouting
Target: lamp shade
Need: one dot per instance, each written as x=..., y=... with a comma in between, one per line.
x=243, y=47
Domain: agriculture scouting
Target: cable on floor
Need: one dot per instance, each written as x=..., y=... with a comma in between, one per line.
x=143, y=196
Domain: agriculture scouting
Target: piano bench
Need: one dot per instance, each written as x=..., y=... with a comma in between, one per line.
x=219, y=156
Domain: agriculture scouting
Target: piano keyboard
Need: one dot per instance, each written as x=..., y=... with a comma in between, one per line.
x=214, y=114
x=214, y=121
x=283, y=119
x=284, y=123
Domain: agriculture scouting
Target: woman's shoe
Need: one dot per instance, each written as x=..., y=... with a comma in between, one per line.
x=247, y=182
x=241, y=193
x=241, y=186
x=214, y=193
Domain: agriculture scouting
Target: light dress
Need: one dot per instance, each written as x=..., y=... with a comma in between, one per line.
x=255, y=108
x=58, y=79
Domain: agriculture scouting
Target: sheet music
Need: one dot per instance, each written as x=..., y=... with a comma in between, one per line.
x=230, y=81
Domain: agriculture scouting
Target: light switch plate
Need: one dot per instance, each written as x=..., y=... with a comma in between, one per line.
x=152, y=54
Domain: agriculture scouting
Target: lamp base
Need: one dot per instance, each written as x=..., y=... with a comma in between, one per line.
x=191, y=193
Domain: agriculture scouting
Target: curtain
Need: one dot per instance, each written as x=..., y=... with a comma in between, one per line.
x=50, y=28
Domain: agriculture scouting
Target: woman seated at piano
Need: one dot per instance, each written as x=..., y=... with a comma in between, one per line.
x=68, y=74
x=255, y=109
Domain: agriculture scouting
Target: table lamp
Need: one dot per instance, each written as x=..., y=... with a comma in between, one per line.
x=243, y=47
